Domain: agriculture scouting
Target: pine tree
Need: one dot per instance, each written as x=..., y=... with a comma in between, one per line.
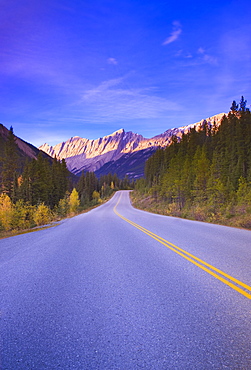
x=243, y=103
x=234, y=107
x=10, y=164
x=201, y=167
x=59, y=178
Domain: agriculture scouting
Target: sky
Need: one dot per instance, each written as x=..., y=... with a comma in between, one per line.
x=90, y=67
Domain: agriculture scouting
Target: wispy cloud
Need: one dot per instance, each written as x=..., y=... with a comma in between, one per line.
x=111, y=100
x=112, y=61
x=177, y=30
x=201, y=51
x=206, y=57
x=102, y=88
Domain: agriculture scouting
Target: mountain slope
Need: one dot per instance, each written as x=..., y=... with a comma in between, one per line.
x=131, y=165
x=24, y=150
x=92, y=155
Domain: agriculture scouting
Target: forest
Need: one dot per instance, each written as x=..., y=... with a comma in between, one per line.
x=43, y=190
x=206, y=175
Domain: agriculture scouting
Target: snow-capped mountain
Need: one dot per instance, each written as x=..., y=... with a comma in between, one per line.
x=91, y=155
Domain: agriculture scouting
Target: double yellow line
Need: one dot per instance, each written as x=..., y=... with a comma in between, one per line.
x=235, y=284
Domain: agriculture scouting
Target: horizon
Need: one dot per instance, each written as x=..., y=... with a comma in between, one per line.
x=137, y=133
x=72, y=69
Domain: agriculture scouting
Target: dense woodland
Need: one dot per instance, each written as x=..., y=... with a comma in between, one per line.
x=207, y=175
x=42, y=189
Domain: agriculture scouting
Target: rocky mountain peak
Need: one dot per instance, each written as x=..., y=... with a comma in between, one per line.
x=91, y=155
x=118, y=132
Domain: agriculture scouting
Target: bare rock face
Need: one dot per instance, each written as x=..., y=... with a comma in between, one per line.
x=118, y=141
x=90, y=155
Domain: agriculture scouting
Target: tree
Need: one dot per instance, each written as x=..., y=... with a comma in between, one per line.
x=244, y=192
x=10, y=163
x=74, y=201
x=234, y=107
x=42, y=215
x=22, y=215
x=59, y=176
x=63, y=207
x=201, y=167
x=243, y=104
x=6, y=212
x=44, y=182
x=96, y=196
x=81, y=189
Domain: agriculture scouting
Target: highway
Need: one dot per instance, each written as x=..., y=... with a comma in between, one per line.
x=119, y=288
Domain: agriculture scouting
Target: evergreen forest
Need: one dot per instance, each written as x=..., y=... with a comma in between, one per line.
x=43, y=190
x=206, y=175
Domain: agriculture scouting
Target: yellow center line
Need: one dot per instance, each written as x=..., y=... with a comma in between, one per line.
x=191, y=258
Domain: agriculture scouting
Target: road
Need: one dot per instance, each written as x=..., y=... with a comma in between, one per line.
x=109, y=289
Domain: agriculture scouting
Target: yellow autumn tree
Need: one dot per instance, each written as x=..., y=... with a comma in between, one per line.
x=23, y=215
x=74, y=201
x=6, y=212
x=42, y=215
x=96, y=196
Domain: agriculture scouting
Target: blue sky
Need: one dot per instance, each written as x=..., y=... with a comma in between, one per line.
x=90, y=67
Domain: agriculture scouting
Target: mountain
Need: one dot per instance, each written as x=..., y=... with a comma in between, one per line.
x=24, y=150
x=122, y=152
x=131, y=165
x=90, y=155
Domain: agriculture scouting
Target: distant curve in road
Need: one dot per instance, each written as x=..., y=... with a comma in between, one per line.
x=119, y=288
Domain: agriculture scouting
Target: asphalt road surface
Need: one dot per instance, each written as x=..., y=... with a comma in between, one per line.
x=119, y=288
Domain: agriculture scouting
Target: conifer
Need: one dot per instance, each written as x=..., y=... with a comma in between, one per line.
x=10, y=163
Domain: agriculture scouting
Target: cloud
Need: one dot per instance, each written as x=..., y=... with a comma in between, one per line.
x=210, y=59
x=112, y=101
x=201, y=51
x=177, y=30
x=206, y=57
x=100, y=89
x=112, y=61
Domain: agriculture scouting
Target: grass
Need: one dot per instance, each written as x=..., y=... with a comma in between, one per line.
x=7, y=234
x=230, y=215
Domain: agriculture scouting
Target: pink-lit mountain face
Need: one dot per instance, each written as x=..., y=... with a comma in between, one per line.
x=91, y=155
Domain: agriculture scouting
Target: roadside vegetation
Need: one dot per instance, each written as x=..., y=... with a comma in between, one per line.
x=205, y=176
x=43, y=190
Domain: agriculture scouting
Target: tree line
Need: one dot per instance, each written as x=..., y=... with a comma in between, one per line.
x=207, y=172
x=43, y=189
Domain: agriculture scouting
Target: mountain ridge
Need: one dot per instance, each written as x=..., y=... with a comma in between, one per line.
x=91, y=155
